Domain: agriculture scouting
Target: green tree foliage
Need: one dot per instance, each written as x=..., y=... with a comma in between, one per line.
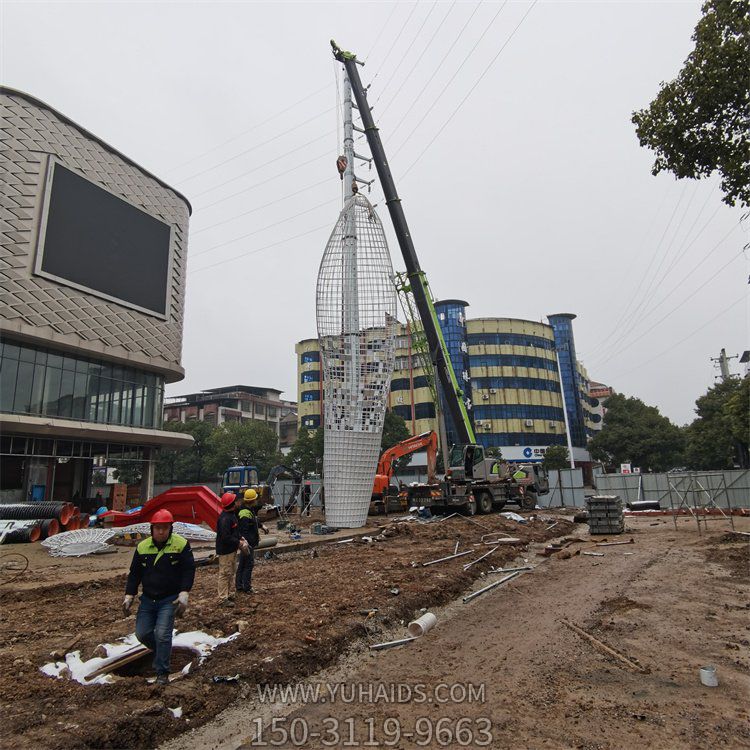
x=495, y=453
x=394, y=430
x=188, y=465
x=127, y=472
x=556, y=458
x=638, y=434
x=243, y=444
x=700, y=122
x=306, y=454
x=718, y=437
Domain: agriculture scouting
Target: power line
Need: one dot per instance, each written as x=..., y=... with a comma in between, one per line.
x=621, y=349
x=259, y=249
x=258, y=145
x=245, y=132
x=262, y=229
x=395, y=41
x=629, y=307
x=681, y=341
x=409, y=46
x=437, y=69
x=265, y=164
x=471, y=90
x=327, y=155
x=382, y=29
x=453, y=77
x=412, y=68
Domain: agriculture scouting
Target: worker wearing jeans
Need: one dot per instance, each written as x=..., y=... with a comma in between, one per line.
x=227, y=544
x=163, y=564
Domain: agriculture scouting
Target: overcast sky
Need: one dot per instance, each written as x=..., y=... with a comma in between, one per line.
x=520, y=173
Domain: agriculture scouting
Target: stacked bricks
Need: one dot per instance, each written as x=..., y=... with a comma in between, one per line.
x=605, y=514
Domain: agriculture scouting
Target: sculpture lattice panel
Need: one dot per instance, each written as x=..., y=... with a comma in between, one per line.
x=356, y=312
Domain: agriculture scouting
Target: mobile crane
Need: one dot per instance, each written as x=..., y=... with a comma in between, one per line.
x=472, y=482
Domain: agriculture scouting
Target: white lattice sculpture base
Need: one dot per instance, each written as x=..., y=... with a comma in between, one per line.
x=348, y=467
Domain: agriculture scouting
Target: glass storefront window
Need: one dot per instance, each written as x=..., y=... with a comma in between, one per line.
x=40, y=382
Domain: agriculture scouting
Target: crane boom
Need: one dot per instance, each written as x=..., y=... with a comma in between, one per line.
x=418, y=281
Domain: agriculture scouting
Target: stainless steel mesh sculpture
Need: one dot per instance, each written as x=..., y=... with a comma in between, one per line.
x=356, y=313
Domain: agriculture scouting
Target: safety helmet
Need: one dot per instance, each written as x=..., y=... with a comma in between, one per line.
x=162, y=516
x=251, y=495
x=228, y=499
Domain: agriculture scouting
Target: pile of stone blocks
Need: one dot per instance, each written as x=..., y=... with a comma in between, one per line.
x=605, y=514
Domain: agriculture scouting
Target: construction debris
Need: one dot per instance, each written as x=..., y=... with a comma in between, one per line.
x=490, y=587
x=604, y=647
x=615, y=544
x=449, y=557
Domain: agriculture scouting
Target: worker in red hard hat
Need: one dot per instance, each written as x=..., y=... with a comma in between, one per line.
x=163, y=564
x=227, y=543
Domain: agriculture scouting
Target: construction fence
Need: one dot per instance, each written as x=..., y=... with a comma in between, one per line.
x=725, y=489
x=565, y=490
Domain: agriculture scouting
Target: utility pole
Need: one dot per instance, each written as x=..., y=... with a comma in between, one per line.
x=722, y=362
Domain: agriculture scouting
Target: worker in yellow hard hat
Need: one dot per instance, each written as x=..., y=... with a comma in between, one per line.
x=249, y=526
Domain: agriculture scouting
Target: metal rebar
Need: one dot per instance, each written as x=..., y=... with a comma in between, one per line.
x=450, y=557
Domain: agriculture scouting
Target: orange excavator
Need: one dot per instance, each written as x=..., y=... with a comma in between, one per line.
x=382, y=489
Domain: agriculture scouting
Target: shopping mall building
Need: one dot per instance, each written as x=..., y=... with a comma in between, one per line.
x=92, y=282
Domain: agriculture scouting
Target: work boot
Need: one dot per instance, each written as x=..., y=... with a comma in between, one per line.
x=162, y=679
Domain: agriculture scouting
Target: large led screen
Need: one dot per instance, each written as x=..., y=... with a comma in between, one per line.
x=98, y=242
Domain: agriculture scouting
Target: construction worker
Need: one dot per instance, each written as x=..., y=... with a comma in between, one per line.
x=163, y=564
x=249, y=525
x=227, y=544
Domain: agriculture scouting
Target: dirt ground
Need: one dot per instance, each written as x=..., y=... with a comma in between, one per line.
x=307, y=612
x=670, y=603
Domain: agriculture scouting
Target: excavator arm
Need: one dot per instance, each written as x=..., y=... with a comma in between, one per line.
x=427, y=440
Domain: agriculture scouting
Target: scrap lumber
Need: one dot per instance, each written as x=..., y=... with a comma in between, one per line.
x=604, y=647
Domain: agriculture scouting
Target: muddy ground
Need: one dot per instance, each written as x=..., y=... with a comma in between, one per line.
x=671, y=602
x=307, y=611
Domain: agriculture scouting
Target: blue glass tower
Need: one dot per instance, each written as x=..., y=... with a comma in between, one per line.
x=452, y=318
x=562, y=325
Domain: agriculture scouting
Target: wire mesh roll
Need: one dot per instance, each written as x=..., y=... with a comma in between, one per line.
x=24, y=511
x=19, y=536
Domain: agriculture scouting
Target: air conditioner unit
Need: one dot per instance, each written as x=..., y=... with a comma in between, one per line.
x=493, y=390
x=478, y=423
x=529, y=422
x=487, y=426
x=400, y=400
x=553, y=425
x=485, y=397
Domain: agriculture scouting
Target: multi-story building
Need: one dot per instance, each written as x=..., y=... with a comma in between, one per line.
x=92, y=275
x=508, y=371
x=235, y=403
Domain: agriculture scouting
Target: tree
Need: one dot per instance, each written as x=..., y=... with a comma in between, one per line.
x=495, y=453
x=306, y=455
x=394, y=430
x=186, y=465
x=715, y=439
x=636, y=433
x=556, y=458
x=127, y=472
x=245, y=444
x=700, y=122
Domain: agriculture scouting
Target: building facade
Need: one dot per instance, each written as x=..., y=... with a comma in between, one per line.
x=236, y=403
x=508, y=371
x=92, y=275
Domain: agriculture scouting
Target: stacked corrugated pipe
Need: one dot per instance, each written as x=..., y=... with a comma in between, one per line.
x=30, y=522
